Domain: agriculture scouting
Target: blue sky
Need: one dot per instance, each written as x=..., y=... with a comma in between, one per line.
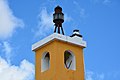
x=24, y=22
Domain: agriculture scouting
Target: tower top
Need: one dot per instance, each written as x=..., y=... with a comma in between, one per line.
x=72, y=40
x=58, y=19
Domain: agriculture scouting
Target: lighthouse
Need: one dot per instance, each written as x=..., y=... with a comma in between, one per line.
x=58, y=56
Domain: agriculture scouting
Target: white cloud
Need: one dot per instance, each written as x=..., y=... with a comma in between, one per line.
x=7, y=49
x=25, y=71
x=11, y=72
x=8, y=22
x=81, y=11
x=95, y=1
x=90, y=75
x=45, y=23
x=100, y=76
x=75, y=3
x=106, y=2
x=67, y=18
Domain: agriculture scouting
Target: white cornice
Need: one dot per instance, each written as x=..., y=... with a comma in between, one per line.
x=74, y=40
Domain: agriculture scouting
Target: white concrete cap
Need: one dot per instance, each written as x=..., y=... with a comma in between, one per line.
x=74, y=40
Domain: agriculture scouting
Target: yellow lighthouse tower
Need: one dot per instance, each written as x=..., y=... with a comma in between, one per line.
x=59, y=57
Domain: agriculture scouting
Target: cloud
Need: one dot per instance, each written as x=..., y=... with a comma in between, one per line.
x=81, y=11
x=90, y=75
x=95, y=1
x=11, y=72
x=7, y=49
x=8, y=22
x=75, y=3
x=45, y=23
x=100, y=76
x=110, y=75
x=25, y=71
x=67, y=18
x=106, y=2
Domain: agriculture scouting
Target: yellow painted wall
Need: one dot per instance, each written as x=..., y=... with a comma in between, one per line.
x=57, y=69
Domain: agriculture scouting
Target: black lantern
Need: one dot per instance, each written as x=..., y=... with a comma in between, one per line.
x=58, y=19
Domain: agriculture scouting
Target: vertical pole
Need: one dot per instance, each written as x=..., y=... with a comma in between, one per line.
x=58, y=29
x=55, y=29
x=62, y=30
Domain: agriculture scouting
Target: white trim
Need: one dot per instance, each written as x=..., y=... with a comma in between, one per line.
x=74, y=40
x=76, y=33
